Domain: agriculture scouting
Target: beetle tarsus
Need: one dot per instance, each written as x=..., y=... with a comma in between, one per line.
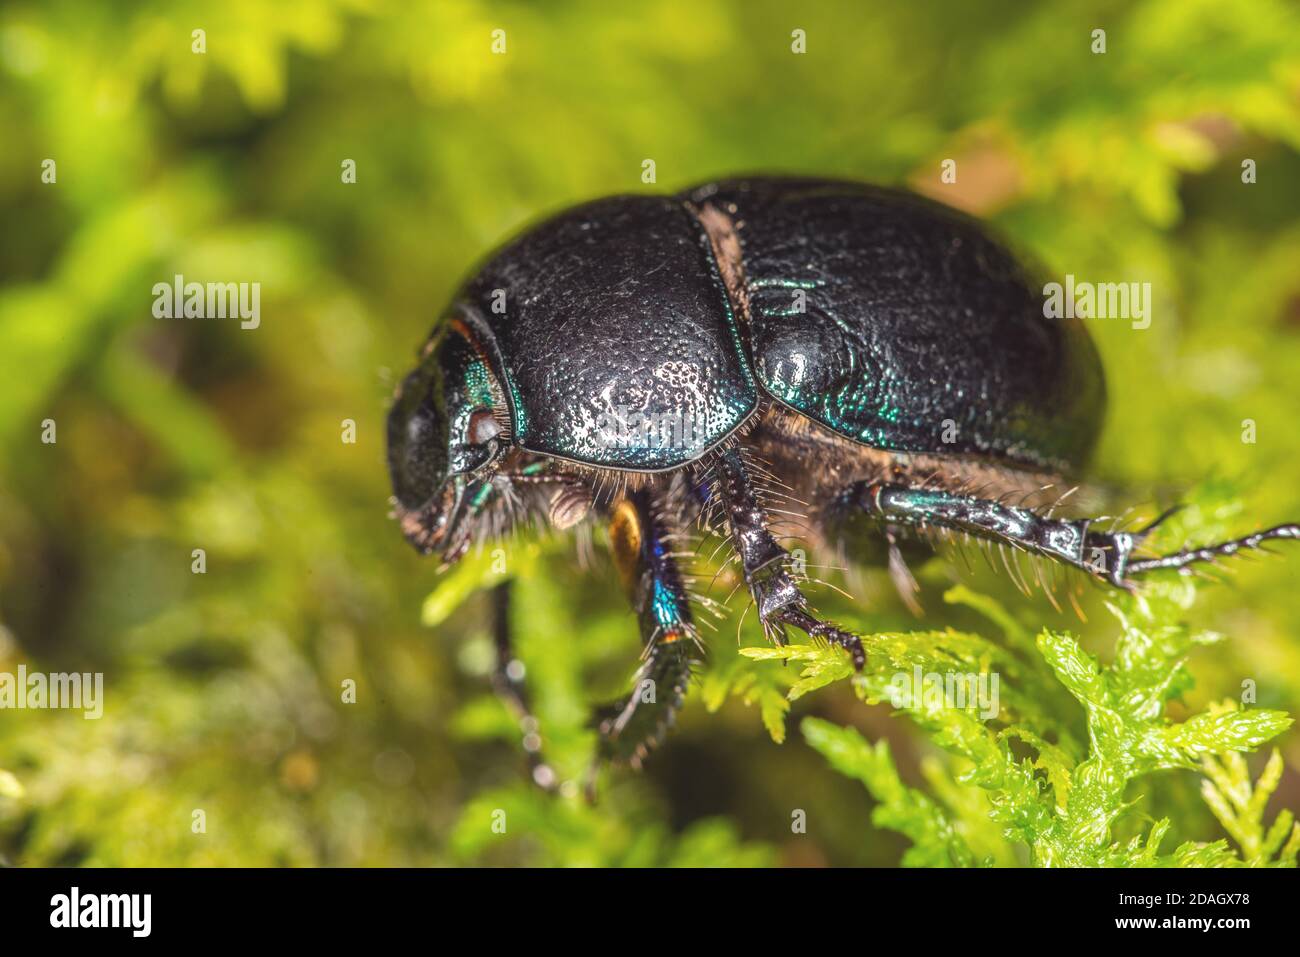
x=829, y=632
x=776, y=594
x=630, y=728
x=1183, y=560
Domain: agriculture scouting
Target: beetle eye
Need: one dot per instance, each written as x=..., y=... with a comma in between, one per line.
x=417, y=442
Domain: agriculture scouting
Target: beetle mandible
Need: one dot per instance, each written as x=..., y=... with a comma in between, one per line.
x=653, y=362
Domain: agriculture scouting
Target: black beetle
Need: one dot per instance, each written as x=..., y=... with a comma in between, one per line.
x=652, y=362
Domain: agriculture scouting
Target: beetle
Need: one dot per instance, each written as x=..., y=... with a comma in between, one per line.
x=653, y=363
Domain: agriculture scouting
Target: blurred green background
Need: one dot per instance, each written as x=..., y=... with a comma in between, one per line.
x=223, y=689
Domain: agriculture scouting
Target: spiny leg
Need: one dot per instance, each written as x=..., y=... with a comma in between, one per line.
x=1210, y=553
x=1105, y=555
x=508, y=682
x=763, y=561
x=641, y=543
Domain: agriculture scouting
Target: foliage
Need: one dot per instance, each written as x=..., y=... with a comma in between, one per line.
x=223, y=689
x=1058, y=803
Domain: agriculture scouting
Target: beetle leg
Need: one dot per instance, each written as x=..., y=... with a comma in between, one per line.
x=1105, y=555
x=763, y=561
x=1210, y=553
x=640, y=541
x=508, y=682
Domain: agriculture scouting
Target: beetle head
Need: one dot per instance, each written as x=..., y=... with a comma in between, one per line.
x=444, y=439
